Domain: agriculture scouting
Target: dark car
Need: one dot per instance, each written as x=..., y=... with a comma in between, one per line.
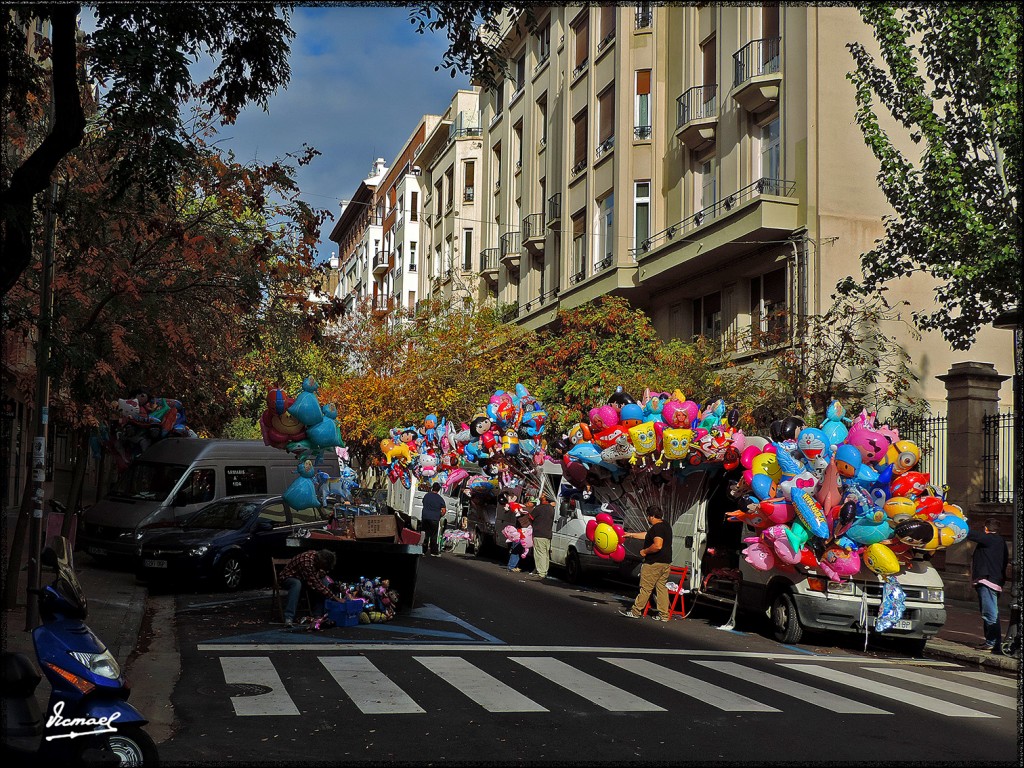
x=228, y=542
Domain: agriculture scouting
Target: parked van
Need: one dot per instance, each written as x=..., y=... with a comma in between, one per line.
x=794, y=598
x=177, y=476
x=408, y=503
x=486, y=518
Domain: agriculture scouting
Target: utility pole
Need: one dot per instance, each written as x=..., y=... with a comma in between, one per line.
x=42, y=407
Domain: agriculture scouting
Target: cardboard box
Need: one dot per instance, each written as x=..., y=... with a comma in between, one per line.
x=383, y=527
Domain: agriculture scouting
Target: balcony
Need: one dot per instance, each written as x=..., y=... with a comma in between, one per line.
x=604, y=147
x=381, y=262
x=398, y=273
x=642, y=132
x=489, y=258
x=554, y=209
x=579, y=276
x=533, y=231
x=579, y=69
x=580, y=167
x=758, y=74
x=644, y=18
x=697, y=116
x=412, y=266
x=510, y=250
x=497, y=186
x=542, y=59
x=604, y=264
x=380, y=305
x=605, y=41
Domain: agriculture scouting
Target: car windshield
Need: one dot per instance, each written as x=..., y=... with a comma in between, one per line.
x=148, y=481
x=225, y=516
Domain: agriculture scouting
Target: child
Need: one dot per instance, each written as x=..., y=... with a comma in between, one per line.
x=520, y=540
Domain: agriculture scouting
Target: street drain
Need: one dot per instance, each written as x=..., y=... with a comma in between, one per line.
x=235, y=689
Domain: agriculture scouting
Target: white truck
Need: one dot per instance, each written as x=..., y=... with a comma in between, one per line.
x=408, y=503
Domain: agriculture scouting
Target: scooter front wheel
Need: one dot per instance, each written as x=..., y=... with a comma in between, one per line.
x=130, y=746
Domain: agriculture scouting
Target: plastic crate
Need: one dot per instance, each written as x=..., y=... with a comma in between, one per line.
x=344, y=614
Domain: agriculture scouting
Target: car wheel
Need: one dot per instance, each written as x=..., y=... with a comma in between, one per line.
x=478, y=543
x=785, y=622
x=573, y=567
x=231, y=573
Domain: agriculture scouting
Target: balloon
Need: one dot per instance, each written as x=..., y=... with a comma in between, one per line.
x=603, y=417
x=903, y=455
x=301, y=494
x=910, y=484
x=642, y=437
x=881, y=560
x=607, y=537
x=676, y=443
x=900, y=508
x=620, y=451
x=610, y=436
x=325, y=434
x=872, y=441
x=767, y=463
x=758, y=554
x=631, y=415
x=848, y=460
x=580, y=433
x=306, y=408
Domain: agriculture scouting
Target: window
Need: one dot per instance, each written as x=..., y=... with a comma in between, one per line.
x=768, y=307
x=447, y=263
x=607, y=26
x=706, y=185
x=498, y=98
x=642, y=215
x=707, y=316
x=274, y=514
x=414, y=206
x=770, y=47
x=305, y=516
x=435, y=268
x=581, y=34
x=771, y=151
x=542, y=119
x=449, y=183
x=520, y=73
x=412, y=256
x=606, y=120
x=707, y=52
x=606, y=231
x=542, y=45
x=199, y=487
x=245, y=480
x=644, y=15
x=467, y=249
x=468, y=181
x=579, y=152
x=579, y=246
x=496, y=167
x=517, y=144
x=642, y=105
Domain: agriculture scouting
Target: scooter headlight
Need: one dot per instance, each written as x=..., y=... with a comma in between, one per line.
x=102, y=664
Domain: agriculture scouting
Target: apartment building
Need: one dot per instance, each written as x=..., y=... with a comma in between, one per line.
x=702, y=161
x=450, y=160
x=359, y=236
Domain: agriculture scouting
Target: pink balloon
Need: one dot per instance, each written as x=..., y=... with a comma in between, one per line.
x=748, y=455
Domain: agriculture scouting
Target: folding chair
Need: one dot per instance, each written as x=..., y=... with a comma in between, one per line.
x=277, y=596
x=676, y=604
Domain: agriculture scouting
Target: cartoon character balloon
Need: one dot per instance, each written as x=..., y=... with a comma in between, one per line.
x=607, y=536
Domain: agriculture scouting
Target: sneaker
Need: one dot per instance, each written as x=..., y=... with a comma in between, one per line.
x=659, y=617
x=628, y=613
x=289, y=624
x=515, y=570
x=984, y=647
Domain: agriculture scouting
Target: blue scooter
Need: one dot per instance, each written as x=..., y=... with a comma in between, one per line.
x=89, y=721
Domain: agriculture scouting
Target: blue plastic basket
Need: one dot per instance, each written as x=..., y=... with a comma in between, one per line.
x=344, y=614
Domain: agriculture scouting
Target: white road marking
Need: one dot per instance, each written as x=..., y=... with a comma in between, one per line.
x=970, y=691
x=591, y=688
x=901, y=695
x=703, y=691
x=485, y=689
x=257, y=670
x=815, y=696
x=369, y=688
x=988, y=677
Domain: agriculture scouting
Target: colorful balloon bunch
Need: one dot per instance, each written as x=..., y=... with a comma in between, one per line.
x=840, y=507
x=300, y=425
x=640, y=453
x=504, y=441
x=141, y=421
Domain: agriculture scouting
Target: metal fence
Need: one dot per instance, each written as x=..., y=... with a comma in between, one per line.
x=929, y=434
x=998, y=460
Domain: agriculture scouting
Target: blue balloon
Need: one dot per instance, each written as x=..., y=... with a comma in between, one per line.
x=585, y=452
x=762, y=486
x=306, y=407
x=631, y=412
x=301, y=494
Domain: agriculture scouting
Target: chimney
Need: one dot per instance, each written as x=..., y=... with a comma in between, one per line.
x=334, y=260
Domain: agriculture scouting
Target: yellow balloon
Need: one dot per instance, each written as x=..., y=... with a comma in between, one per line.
x=643, y=438
x=766, y=464
x=900, y=508
x=606, y=540
x=881, y=560
x=677, y=442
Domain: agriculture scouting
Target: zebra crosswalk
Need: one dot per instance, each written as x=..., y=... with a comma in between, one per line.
x=386, y=684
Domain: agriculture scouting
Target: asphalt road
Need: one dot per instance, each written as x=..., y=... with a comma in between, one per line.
x=491, y=667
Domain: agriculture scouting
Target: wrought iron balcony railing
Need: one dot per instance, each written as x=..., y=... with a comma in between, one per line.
x=758, y=57
x=697, y=103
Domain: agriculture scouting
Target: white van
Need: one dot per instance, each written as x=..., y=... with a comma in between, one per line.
x=408, y=503
x=795, y=598
x=177, y=476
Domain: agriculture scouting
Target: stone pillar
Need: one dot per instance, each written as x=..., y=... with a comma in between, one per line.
x=972, y=391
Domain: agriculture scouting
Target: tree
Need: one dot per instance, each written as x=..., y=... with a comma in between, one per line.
x=951, y=78
x=141, y=55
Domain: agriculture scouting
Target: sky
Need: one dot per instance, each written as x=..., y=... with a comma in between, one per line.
x=361, y=77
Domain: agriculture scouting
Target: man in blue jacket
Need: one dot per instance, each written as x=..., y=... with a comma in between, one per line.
x=988, y=574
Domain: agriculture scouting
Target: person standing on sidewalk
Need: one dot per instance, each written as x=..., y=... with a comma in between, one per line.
x=657, y=555
x=988, y=573
x=543, y=522
x=433, y=510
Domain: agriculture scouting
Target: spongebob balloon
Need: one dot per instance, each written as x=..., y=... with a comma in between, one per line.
x=677, y=443
x=644, y=439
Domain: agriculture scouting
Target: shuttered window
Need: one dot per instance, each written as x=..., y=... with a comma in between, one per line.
x=581, y=30
x=580, y=146
x=606, y=105
x=607, y=21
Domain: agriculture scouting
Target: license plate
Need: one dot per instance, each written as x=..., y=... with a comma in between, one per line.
x=901, y=624
x=96, y=551
x=154, y=563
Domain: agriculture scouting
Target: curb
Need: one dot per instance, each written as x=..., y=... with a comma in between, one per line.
x=957, y=652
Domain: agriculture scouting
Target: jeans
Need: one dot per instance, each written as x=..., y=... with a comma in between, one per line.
x=294, y=587
x=430, y=546
x=541, y=556
x=516, y=551
x=653, y=579
x=988, y=600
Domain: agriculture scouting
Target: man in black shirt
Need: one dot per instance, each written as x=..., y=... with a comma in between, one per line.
x=657, y=555
x=433, y=510
x=543, y=522
x=988, y=572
